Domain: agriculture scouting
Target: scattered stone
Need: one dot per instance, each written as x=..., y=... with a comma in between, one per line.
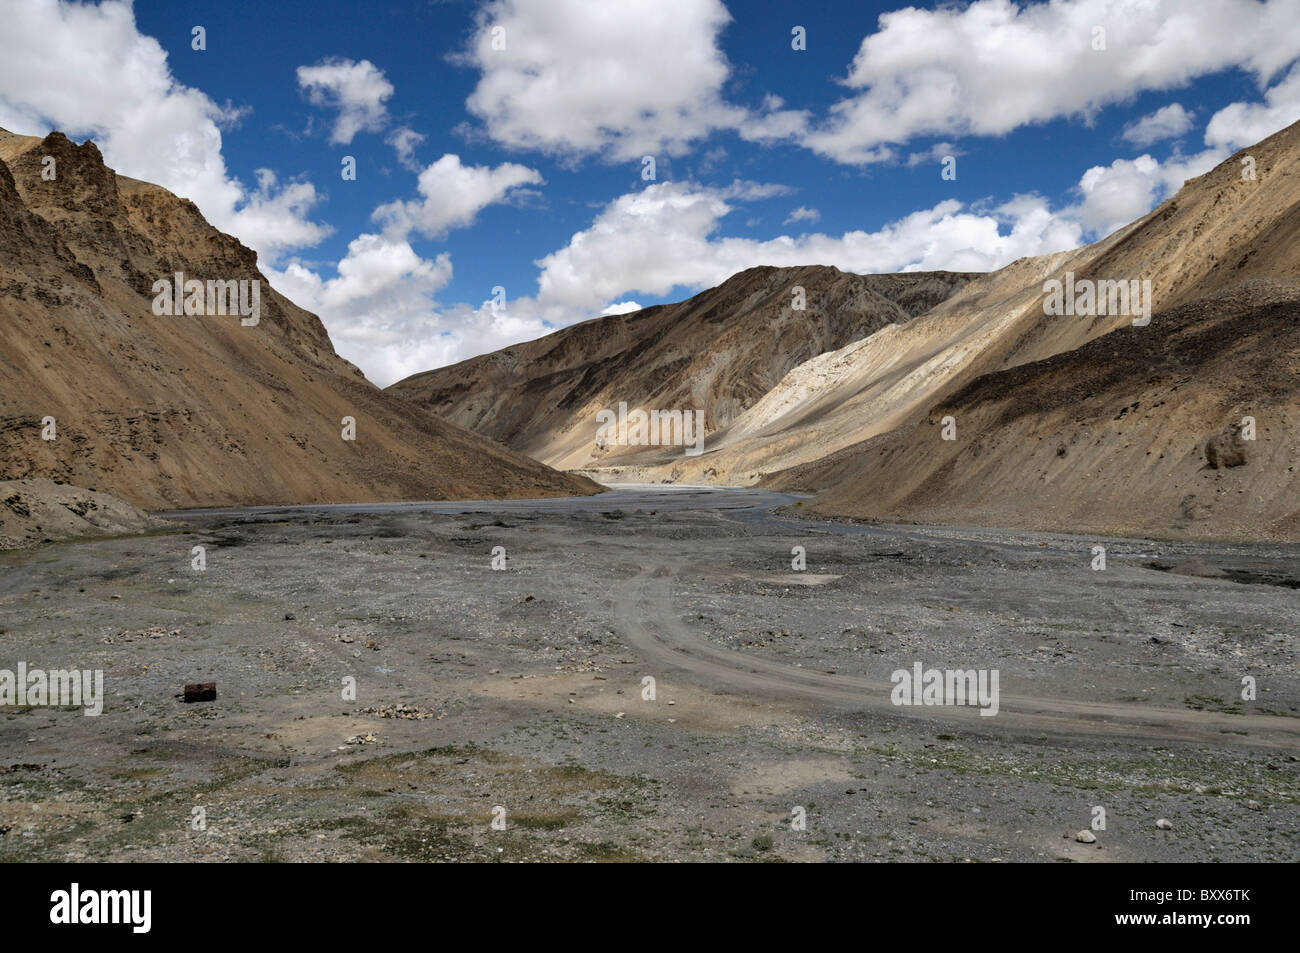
x=1086, y=837
x=289, y=617
x=1165, y=824
x=409, y=712
x=366, y=739
x=128, y=635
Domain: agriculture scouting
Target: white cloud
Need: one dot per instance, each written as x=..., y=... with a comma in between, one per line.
x=747, y=190
x=357, y=90
x=992, y=66
x=936, y=154
x=1244, y=124
x=382, y=313
x=774, y=122
x=626, y=79
x=453, y=194
x=665, y=237
x=404, y=139
x=53, y=61
x=380, y=310
x=1117, y=194
x=802, y=214
x=276, y=215
x=1168, y=122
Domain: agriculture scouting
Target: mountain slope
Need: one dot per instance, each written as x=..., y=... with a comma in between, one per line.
x=719, y=351
x=170, y=411
x=1139, y=431
x=1135, y=430
x=1217, y=231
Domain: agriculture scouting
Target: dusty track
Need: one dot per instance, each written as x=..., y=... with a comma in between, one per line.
x=661, y=640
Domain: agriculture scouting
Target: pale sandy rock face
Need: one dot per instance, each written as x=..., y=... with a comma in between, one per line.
x=192, y=410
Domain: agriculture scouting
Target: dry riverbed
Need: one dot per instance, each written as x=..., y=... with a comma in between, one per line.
x=520, y=694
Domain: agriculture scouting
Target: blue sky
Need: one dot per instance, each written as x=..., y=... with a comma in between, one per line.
x=531, y=152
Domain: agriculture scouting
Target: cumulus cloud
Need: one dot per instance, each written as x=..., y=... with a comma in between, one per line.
x=1243, y=124
x=625, y=79
x=563, y=78
x=453, y=194
x=665, y=237
x=936, y=154
x=53, y=58
x=1113, y=196
x=992, y=66
x=275, y=216
x=358, y=91
x=378, y=308
x=620, y=307
x=774, y=122
x=404, y=139
x=802, y=214
x=399, y=328
x=1169, y=122
x=382, y=310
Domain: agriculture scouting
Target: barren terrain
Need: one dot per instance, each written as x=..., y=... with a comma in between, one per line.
x=523, y=688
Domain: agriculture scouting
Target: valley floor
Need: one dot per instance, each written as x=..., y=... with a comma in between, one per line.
x=525, y=689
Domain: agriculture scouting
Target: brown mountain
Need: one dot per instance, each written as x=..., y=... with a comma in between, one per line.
x=1093, y=424
x=169, y=411
x=1144, y=430
x=719, y=351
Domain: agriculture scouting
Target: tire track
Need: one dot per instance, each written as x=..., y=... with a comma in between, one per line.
x=650, y=627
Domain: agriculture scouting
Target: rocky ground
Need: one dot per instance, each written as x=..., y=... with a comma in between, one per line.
x=520, y=694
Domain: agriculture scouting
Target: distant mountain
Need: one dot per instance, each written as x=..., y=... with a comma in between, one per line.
x=175, y=411
x=718, y=352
